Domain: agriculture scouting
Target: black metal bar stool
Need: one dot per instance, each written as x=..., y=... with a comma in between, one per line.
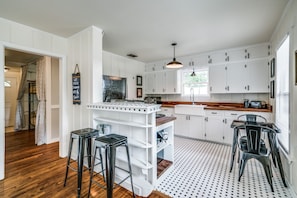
x=110, y=142
x=84, y=136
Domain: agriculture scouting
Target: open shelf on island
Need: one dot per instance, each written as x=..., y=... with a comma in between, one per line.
x=123, y=122
x=162, y=166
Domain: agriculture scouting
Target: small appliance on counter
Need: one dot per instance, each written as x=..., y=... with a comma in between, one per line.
x=258, y=104
x=152, y=100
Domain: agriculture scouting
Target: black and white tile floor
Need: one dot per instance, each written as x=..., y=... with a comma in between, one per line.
x=201, y=169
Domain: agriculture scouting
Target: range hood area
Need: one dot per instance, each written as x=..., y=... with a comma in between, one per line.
x=114, y=88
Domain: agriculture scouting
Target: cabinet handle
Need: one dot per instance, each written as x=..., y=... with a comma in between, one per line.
x=223, y=137
x=214, y=112
x=206, y=119
x=234, y=114
x=210, y=88
x=248, y=87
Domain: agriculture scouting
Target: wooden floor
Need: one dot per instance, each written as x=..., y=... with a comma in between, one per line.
x=38, y=171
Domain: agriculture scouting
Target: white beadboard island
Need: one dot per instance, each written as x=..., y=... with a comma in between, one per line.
x=137, y=121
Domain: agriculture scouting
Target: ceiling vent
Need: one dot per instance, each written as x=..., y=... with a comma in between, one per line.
x=132, y=55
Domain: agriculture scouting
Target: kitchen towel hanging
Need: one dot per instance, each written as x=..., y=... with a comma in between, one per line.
x=76, y=85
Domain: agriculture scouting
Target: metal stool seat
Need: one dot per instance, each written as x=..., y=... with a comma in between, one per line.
x=109, y=143
x=84, y=137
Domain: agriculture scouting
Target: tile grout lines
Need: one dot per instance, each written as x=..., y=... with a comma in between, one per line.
x=201, y=169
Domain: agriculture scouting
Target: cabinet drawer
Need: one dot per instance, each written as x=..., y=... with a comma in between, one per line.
x=214, y=113
x=233, y=114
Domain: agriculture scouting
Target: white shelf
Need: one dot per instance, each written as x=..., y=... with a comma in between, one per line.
x=135, y=162
x=123, y=122
x=162, y=146
x=139, y=144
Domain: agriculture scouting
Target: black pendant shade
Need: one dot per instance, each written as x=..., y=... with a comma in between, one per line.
x=174, y=64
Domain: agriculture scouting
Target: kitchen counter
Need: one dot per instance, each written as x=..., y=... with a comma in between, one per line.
x=218, y=106
x=163, y=120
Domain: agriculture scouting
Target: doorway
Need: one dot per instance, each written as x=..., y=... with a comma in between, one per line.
x=14, y=60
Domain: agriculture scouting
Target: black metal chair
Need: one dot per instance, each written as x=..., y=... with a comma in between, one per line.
x=250, y=118
x=253, y=148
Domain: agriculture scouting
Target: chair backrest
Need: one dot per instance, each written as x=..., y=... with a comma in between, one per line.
x=252, y=118
x=253, y=134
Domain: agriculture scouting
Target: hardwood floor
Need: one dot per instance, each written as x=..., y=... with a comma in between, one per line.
x=38, y=171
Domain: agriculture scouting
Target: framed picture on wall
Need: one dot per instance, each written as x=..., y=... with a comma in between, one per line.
x=272, y=89
x=139, y=92
x=139, y=80
x=272, y=67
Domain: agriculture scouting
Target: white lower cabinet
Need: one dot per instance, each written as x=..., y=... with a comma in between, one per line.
x=218, y=124
x=189, y=126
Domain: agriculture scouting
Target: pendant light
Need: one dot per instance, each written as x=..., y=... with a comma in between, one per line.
x=193, y=73
x=174, y=64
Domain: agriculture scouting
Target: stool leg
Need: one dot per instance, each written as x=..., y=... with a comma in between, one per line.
x=80, y=160
x=130, y=169
x=110, y=155
x=68, y=160
x=92, y=171
x=89, y=146
x=102, y=169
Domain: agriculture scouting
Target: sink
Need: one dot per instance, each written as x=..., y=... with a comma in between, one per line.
x=190, y=109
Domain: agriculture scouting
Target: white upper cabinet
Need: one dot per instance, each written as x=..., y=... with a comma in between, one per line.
x=218, y=79
x=257, y=51
x=240, y=77
x=163, y=82
x=235, y=55
x=258, y=76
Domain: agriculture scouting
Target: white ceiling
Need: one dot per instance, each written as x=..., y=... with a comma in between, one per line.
x=148, y=27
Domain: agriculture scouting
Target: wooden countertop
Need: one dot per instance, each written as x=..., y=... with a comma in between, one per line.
x=163, y=120
x=219, y=106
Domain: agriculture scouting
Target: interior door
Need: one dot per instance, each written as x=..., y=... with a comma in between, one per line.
x=11, y=91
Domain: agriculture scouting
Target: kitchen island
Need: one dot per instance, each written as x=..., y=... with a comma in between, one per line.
x=137, y=121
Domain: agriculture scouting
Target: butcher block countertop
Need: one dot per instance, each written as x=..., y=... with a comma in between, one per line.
x=163, y=120
x=219, y=106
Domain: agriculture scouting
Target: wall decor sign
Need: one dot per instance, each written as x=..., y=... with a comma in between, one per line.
x=76, y=86
x=139, y=80
x=272, y=67
x=139, y=92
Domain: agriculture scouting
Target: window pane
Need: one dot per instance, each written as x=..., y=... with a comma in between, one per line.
x=282, y=92
x=198, y=83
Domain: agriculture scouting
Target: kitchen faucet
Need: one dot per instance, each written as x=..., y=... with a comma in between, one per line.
x=192, y=95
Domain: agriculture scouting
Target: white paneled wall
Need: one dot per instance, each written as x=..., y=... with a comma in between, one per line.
x=24, y=38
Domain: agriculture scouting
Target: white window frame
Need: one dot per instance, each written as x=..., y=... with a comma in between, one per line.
x=197, y=70
x=282, y=120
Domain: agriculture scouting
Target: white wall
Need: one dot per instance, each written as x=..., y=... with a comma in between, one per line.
x=24, y=38
x=288, y=24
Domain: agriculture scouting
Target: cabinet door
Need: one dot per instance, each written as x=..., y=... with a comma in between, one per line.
x=196, y=127
x=180, y=125
x=214, y=127
x=237, y=77
x=172, y=81
x=217, y=79
x=228, y=131
x=257, y=51
x=258, y=71
x=160, y=82
x=236, y=55
x=150, y=83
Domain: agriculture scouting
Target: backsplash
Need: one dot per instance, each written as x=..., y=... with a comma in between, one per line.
x=233, y=98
